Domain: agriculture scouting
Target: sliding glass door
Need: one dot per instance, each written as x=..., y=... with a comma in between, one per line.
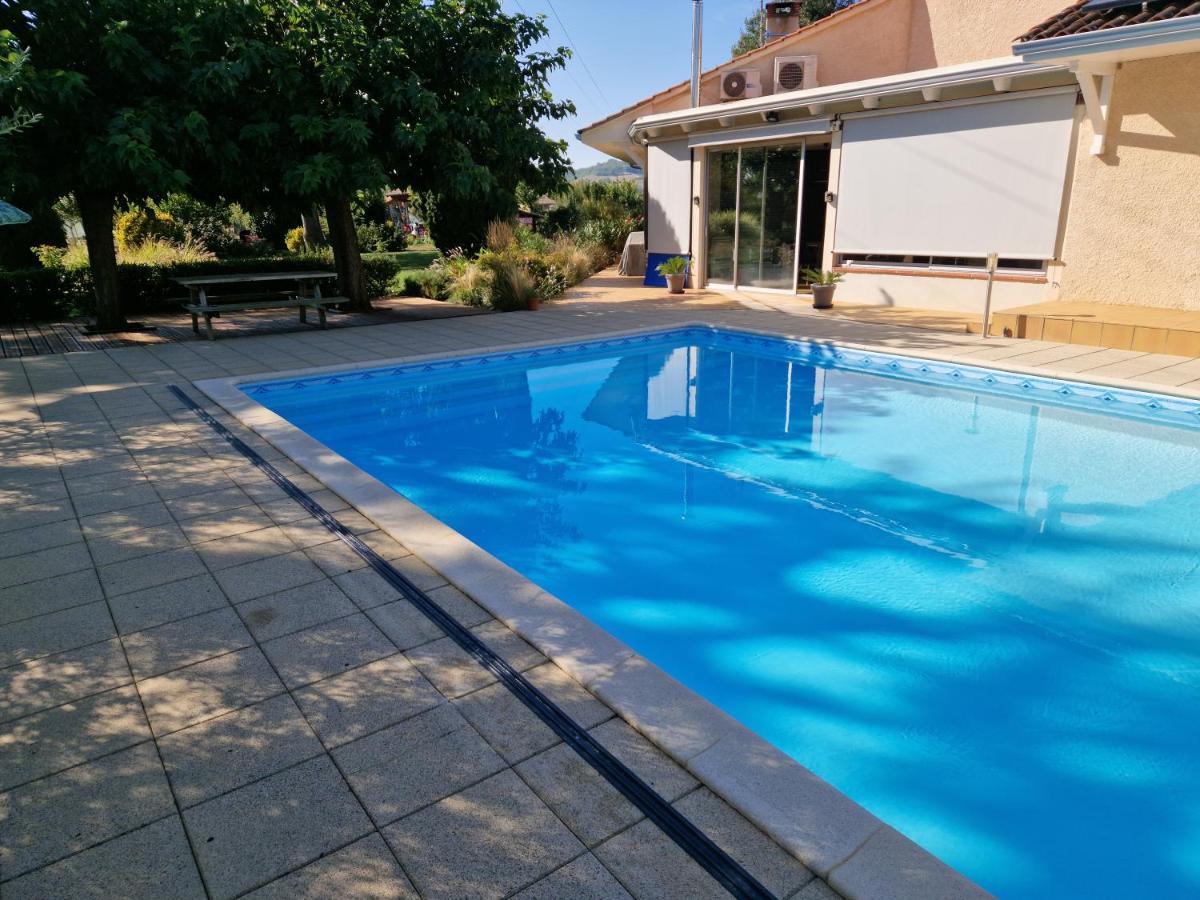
x=753, y=207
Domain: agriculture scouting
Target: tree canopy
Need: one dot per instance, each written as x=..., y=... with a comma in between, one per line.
x=811, y=10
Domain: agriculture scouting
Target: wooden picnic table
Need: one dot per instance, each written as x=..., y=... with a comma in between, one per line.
x=209, y=303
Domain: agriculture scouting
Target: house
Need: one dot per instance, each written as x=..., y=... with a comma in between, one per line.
x=903, y=141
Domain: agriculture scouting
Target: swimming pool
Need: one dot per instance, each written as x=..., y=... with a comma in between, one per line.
x=968, y=599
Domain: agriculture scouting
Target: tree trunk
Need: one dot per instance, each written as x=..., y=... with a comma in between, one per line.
x=346, y=256
x=314, y=237
x=96, y=216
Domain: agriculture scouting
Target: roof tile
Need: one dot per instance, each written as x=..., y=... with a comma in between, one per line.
x=1075, y=19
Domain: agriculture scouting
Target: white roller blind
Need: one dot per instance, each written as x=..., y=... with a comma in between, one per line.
x=669, y=197
x=956, y=181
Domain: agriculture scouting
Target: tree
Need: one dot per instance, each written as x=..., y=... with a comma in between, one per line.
x=753, y=28
x=110, y=80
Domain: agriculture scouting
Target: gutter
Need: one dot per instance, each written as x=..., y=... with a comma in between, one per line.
x=1108, y=40
x=814, y=102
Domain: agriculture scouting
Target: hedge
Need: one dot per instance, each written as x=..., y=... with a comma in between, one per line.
x=33, y=295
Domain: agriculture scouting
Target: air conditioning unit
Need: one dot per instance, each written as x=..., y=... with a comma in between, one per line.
x=740, y=84
x=795, y=73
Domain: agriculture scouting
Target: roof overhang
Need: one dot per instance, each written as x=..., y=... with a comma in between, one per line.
x=1094, y=56
x=1167, y=37
x=977, y=79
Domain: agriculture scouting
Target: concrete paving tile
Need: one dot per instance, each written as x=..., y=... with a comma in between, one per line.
x=151, y=863
x=325, y=650
x=209, y=503
x=229, y=751
x=81, y=485
x=207, y=689
x=367, y=588
x=46, y=820
x=649, y=864
x=249, y=546
x=54, y=632
x=43, y=564
x=416, y=762
x=295, y=609
x=185, y=641
x=307, y=532
x=335, y=558
x=250, y=837
x=50, y=741
x=455, y=672
x=584, y=878
x=366, y=869
x=171, y=485
x=365, y=700
x=166, y=603
x=506, y=723
x=652, y=765
x=465, y=610
x=16, y=519
x=51, y=680
x=420, y=574
x=225, y=524
x=149, y=571
x=36, y=598
x=26, y=494
x=130, y=544
x=816, y=890
x=485, y=842
x=780, y=872
x=136, y=517
x=40, y=537
x=115, y=499
x=268, y=576
x=285, y=510
x=404, y=624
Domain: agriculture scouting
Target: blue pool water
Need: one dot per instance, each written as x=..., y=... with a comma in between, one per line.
x=970, y=603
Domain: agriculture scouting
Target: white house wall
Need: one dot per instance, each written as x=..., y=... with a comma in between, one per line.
x=668, y=197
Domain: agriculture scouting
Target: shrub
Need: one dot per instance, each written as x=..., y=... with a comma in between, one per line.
x=136, y=226
x=512, y=284
x=500, y=235
x=380, y=237
x=294, y=240
x=160, y=252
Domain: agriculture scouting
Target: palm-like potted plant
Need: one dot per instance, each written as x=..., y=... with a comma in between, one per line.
x=675, y=271
x=823, y=284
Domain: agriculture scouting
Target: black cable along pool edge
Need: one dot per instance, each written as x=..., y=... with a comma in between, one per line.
x=699, y=846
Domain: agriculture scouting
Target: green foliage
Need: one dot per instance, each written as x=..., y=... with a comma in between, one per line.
x=135, y=226
x=214, y=225
x=47, y=294
x=751, y=36
x=817, y=276
x=380, y=237
x=600, y=212
x=676, y=265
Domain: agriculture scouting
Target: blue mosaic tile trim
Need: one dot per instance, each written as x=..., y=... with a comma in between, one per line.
x=1068, y=394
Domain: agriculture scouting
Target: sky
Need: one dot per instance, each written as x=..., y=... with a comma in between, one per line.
x=626, y=50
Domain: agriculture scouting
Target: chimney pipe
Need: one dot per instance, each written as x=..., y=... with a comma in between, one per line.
x=697, y=47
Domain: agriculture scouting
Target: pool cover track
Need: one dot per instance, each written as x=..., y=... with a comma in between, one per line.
x=857, y=853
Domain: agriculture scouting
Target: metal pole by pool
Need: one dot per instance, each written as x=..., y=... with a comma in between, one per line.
x=697, y=47
x=993, y=260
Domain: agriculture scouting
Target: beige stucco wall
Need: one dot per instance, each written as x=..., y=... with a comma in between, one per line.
x=1133, y=226
x=952, y=32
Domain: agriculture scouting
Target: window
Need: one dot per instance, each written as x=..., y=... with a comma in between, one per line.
x=939, y=263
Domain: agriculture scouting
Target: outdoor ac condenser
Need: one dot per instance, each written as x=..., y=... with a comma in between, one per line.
x=795, y=73
x=741, y=84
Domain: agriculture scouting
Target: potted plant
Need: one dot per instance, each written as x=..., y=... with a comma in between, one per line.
x=675, y=271
x=823, y=285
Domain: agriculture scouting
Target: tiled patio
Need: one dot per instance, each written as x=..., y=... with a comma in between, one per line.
x=203, y=694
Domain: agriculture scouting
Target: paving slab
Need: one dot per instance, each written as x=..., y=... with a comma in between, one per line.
x=249, y=546
x=151, y=863
x=455, y=672
x=150, y=571
x=42, y=564
x=203, y=690
x=328, y=649
x=164, y=603
x=649, y=864
x=185, y=641
x=36, y=598
x=366, y=870
x=584, y=878
x=404, y=624
x=295, y=609
x=367, y=699
x=52, y=680
x=47, y=820
x=416, y=762
x=257, y=833
x=237, y=748
x=40, y=537
x=485, y=842
x=268, y=576
x=366, y=588
x=47, y=742
x=54, y=632
x=133, y=543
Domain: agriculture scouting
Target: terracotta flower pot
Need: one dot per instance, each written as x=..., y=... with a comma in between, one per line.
x=533, y=304
x=675, y=283
x=823, y=295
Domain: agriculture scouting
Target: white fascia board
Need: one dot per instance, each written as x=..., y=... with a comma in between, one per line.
x=908, y=82
x=1165, y=38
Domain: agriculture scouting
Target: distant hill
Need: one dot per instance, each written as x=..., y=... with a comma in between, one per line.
x=609, y=170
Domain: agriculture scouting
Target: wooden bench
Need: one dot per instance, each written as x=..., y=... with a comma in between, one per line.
x=213, y=310
x=305, y=296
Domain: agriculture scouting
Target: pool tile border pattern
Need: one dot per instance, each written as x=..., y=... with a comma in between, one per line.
x=830, y=833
